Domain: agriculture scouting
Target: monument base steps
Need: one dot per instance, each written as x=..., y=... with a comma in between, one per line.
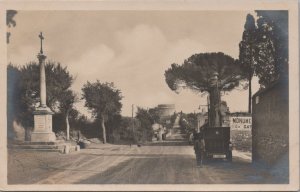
x=57, y=146
x=43, y=137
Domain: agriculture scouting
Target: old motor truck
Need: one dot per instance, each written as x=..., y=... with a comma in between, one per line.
x=217, y=142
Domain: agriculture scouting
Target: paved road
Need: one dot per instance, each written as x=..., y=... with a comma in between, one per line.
x=167, y=162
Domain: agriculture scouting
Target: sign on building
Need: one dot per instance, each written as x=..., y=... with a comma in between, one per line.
x=241, y=123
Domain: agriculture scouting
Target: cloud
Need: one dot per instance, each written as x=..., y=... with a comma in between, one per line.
x=93, y=65
x=145, y=55
x=137, y=67
x=131, y=49
x=22, y=56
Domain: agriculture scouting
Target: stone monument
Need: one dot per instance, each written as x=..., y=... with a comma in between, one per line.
x=42, y=115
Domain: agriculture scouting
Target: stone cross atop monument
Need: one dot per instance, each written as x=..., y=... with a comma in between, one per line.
x=42, y=38
x=42, y=115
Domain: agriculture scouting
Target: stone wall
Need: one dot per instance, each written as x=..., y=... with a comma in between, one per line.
x=241, y=140
x=270, y=118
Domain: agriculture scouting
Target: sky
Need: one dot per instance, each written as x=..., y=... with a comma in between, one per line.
x=130, y=48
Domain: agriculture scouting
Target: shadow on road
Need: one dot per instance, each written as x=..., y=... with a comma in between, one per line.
x=176, y=169
x=168, y=143
x=153, y=169
x=138, y=155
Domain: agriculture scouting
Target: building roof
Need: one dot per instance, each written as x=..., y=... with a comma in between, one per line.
x=271, y=86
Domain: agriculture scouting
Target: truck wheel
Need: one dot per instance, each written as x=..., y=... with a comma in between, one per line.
x=229, y=156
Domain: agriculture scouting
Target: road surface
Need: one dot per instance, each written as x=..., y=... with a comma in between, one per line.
x=167, y=162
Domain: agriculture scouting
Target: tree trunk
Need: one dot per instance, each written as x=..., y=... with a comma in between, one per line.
x=68, y=126
x=214, y=113
x=250, y=96
x=103, y=129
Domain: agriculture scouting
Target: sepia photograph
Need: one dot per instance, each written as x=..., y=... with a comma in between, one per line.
x=142, y=96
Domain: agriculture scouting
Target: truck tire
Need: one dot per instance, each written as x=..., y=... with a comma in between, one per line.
x=229, y=156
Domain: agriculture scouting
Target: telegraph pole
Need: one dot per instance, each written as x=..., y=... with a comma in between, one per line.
x=132, y=110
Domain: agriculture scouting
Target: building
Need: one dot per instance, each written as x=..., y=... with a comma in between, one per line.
x=166, y=110
x=270, y=129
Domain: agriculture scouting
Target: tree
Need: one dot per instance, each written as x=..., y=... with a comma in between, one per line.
x=104, y=100
x=58, y=80
x=66, y=103
x=247, y=52
x=126, y=129
x=10, y=22
x=144, y=131
x=155, y=115
x=272, y=46
x=206, y=72
x=113, y=125
x=13, y=97
x=173, y=118
x=23, y=89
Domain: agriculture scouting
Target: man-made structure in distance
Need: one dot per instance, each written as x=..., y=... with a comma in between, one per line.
x=166, y=110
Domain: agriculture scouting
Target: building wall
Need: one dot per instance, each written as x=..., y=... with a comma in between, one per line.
x=270, y=118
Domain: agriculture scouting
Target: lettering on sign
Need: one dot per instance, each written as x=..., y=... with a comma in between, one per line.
x=39, y=123
x=241, y=123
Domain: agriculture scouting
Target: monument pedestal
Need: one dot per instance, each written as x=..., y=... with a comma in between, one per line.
x=42, y=126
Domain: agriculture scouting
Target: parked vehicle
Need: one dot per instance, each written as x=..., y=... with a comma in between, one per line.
x=217, y=142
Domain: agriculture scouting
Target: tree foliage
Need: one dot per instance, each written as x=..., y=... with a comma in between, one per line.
x=144, y=130
x=247, y=47
x=126, y=129
x=155, y=115
x=67, y=100
x=66, y=106
x=264, y=48
x=206, y=72
x=188, y=122
x=113, y=126
x=173, y=118
x=247, y=53
x=104, y=100
x=271, y=46
x=10, y=22
x=23, y=90
x=13, y=97
x=196, y=72
x=58, y=80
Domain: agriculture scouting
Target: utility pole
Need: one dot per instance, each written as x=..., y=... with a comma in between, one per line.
x=132, y=109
